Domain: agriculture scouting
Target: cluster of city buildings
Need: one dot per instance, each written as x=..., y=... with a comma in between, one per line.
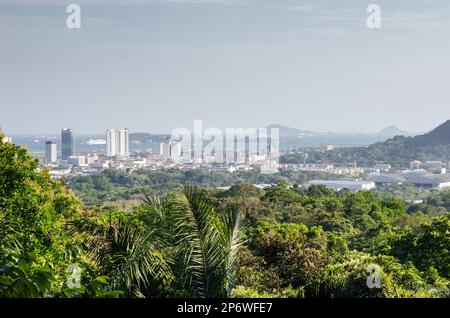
x=429, y=175
x=118, y=155
x=426, y=175
x=349, y=170
x=69, y=162
x=432, y=166
x=173, y=155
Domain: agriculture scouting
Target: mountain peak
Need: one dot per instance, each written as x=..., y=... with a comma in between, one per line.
x=392, y=131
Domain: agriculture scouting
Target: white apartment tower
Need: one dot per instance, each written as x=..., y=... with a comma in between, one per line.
x=171, y=150
x=50, y=152
x=117, y=142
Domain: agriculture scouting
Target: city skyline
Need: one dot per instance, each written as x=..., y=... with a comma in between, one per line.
x=154, y=65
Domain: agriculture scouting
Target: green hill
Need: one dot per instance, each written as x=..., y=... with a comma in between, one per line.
x=437, y=137
x=398, y=151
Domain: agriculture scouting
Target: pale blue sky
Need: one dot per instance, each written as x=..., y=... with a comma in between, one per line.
x=152, y=65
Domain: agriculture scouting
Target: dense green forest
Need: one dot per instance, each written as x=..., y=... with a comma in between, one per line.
x=195, y=242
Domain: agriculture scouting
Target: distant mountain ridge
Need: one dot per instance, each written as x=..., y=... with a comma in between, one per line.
x=390, y=131
x=289, y=131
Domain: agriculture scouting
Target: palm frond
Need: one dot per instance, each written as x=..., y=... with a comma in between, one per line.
x=124, y=252
x=234, y=234
x=8, y=243
x=204, y=246
x=197, y=230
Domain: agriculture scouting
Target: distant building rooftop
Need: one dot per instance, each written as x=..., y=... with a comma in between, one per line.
x=416, y=177
x=352, y=185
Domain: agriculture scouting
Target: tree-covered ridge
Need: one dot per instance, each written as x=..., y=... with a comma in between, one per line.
x=194, y=242
x=438, y=136
x=398, y=151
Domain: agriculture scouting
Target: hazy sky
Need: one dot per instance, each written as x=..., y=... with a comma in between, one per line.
x=153, y=65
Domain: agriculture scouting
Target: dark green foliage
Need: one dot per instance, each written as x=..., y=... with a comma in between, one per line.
x=35, y=249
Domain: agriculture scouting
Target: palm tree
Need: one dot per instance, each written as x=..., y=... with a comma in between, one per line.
x=128, y=255
x=185, y=239
x=205, y=242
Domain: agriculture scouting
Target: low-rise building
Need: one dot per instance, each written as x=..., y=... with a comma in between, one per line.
x=382, y=167
x=419, y=178
x=388, y=179
x=78, y=161
x=99, y=165
x=433, y=165
x=415, y=165
x=352, y=185
x=425, y=179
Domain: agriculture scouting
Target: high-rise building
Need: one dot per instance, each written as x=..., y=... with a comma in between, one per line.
x=117, y=142
x=111, y=142
x=50, y=152
x=171, y=150
x=67, y=143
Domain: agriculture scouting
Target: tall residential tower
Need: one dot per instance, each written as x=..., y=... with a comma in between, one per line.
x=117, y=142
x=50, y=152
x=67, y=143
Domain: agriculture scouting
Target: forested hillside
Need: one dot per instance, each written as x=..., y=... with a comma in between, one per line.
x=398, y=151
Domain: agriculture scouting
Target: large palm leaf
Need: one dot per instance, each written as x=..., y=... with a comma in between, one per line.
x=206, y=244
x=198, y=233
x=234, y=235
x=124, y=252
x=8, y=243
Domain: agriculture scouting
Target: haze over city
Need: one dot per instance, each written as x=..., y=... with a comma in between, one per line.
x=155, y=65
